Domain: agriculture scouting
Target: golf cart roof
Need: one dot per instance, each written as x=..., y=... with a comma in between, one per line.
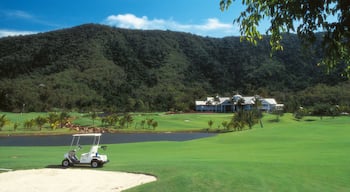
x=87, y=135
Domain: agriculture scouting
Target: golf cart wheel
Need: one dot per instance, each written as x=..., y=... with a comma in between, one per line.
x=65, y=163
x=95, y=164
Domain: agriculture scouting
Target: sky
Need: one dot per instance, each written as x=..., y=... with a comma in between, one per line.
x=201, y=17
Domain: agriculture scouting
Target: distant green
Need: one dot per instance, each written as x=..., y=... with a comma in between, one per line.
x=312, y=154
x=166, y=122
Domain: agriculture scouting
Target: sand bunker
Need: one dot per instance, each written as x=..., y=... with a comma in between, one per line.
x=64, y=180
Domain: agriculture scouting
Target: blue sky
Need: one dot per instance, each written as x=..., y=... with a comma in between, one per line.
x=201, y=17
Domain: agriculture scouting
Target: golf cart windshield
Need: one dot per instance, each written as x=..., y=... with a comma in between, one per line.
x=92, y=138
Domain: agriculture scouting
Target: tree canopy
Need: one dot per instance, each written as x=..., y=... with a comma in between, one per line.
x=303, y=17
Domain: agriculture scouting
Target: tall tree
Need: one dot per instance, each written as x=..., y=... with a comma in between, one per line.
x=303, y=17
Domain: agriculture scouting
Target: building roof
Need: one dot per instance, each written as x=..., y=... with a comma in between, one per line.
x=87, y=135
x=236, y=97
x=249, y=100
x=213, y=101
x=222, y=100
x=270, y=101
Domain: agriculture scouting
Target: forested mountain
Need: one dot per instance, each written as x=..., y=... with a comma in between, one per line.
x=99, y=67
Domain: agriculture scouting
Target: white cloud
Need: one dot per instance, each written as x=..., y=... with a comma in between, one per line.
x=214, y=24
x=18, y=14
x=6, y=33
x=132, y=22
x=210, y=27
x=127, y=21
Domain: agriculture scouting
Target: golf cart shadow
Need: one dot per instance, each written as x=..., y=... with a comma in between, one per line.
x=76, y=166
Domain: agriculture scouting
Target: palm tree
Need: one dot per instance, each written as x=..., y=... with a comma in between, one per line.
x=210, y=123
x=63, y=118
x=122, y=122
x=40, y=121
x=237, y=101
x=110, y=120
x=257, y=102
x=113, y=119
x=154, y=125
x=15, y=126
x=29, y=124
x=93, y=116
x=53, y=120
x=128, y=119
x=238, y=120
x=250, y=118
x=299, y=114
x=257, y=110
x=240, y=103
x=225, y=124
x=3, y=121
x=149, y=123
x=104, y=121
x=243, y=118
x=143, y=124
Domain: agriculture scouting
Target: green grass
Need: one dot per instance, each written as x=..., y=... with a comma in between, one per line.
x=166, y=122
x=184, y=122
x=307, y=155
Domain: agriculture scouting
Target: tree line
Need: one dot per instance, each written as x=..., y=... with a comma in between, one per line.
x=55, y=120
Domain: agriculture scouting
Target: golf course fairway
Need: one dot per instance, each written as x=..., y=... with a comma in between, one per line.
x=312, y=154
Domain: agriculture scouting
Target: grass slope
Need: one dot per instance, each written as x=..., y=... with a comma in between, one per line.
x=308, y=155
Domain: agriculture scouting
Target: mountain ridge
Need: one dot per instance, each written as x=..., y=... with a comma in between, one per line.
x=97, y=66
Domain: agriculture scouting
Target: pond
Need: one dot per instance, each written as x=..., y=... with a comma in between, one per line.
x=107, y=138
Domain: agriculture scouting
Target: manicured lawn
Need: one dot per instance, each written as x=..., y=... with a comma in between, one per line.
x=307, y=155
x=185, y=122
x=166, y=122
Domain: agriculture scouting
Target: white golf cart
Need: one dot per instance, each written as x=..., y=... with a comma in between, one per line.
x=92, y=157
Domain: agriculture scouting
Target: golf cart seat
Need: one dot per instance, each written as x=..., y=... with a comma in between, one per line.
x=72, y=156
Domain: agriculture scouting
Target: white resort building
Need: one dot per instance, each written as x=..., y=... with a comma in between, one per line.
x=237, y=102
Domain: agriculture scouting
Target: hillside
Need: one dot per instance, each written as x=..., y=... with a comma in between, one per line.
x=99, y=67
